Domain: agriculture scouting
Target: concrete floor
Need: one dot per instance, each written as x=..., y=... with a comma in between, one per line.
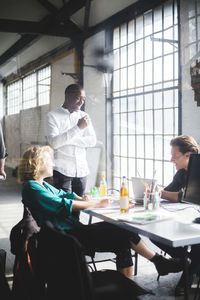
x=11, y=211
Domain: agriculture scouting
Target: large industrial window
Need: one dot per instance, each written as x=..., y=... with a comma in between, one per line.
x=145, y=95
x=14, y=97
x=44, y=85
x=31, y=91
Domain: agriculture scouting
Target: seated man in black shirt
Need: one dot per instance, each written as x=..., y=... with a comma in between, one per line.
x=181, y=148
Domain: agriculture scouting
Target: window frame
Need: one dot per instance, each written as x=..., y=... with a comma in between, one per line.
x=109, y=108
x=22, y=82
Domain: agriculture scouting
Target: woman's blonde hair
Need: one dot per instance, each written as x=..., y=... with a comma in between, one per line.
x=29, y=164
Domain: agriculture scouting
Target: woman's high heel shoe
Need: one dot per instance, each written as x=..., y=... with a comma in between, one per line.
x=165, y=266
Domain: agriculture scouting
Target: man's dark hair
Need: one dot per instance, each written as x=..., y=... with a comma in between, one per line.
x=185, y=143
x=73, y=89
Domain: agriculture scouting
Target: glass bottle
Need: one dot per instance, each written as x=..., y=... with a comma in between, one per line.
x=103, y=185
x=124, y=196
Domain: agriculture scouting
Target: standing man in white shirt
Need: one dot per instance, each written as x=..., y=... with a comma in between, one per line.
x=69, y=132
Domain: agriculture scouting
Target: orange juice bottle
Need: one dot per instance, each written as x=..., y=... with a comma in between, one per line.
x=124, y=196
x=103, y=185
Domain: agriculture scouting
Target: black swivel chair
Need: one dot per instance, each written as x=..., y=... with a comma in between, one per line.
x=23, y=244
x=197, y=291
x=63, y=271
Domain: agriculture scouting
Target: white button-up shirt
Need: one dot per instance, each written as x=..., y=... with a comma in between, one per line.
x=69, y=141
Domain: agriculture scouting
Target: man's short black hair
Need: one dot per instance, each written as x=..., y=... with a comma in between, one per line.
x=73, y=89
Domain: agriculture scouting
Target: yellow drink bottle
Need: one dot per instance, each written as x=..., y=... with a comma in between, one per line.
x=124, y=196
x=103, y=185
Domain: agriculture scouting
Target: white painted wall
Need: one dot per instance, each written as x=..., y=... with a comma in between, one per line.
x=24, y=130
x=32, y=126
x=12, y=139
x=190, y=110
x=94, y=84
x=59, y=82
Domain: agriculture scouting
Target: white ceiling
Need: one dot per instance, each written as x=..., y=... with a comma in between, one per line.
x=34, y=11
x=101, y=10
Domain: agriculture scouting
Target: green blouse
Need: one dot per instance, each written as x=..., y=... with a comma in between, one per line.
x=48, y=203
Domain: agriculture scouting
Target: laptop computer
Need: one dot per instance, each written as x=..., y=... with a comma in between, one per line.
x=138, y=185
x=192, y=189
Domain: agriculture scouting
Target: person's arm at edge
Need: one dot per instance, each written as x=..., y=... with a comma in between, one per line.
x=174, y=191
x=54, y=204
x=3, y=155
x=69, y=195
x=170, y=196
x=81, y=205
x=2, y=171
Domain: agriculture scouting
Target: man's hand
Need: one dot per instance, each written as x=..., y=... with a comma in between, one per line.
x=104, y=202
x=170, y=196
x=83, y=122
x=87, y=197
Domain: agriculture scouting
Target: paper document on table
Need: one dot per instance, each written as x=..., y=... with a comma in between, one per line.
x=107, y=208
x=143, y=218
x=175, y=206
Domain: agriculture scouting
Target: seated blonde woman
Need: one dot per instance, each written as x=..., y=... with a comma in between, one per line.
x=47, y=203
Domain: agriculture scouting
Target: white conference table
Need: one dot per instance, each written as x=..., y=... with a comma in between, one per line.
x=176, y=229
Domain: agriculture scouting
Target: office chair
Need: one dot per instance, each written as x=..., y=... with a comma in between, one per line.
x=197, y=292
x=62, y=271
x=23, y=244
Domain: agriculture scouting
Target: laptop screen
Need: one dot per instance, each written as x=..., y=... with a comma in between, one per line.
x=192, y=189
x=138, y=185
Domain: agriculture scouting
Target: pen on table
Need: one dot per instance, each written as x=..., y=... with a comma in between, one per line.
x=153, y=181
x=131, y=205
x=143, y=182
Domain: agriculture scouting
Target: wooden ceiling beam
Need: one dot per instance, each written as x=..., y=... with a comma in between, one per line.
x=22, y=43
x=26, y=40
x=87, y=15
x=28, y=27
